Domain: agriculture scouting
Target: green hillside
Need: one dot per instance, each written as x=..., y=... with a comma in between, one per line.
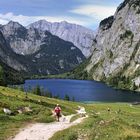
x=9, y=75
x=120, y=123
x=41, y=106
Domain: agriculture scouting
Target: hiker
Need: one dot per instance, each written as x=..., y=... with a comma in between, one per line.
x=81, y=111
x=57, y=111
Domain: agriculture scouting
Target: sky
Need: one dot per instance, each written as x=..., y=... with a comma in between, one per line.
x=87, y=13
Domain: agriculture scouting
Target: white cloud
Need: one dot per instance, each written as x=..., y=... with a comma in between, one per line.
x=95, y=11
x=2, y=21
x=26, y=20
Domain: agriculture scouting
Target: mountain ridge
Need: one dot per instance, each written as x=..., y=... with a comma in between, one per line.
x=80, y=36
x=63, y=55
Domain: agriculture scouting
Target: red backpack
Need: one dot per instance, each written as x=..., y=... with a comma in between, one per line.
x=57, y=109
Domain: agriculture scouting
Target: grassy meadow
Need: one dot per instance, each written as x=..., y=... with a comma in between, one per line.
x=121, y=122
x=41, y=110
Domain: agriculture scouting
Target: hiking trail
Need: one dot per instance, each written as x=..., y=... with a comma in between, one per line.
x=44, y=131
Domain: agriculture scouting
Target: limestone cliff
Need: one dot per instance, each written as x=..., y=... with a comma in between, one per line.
x=116, y=48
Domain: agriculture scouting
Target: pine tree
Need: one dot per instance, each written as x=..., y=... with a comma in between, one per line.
x=48, y=94
x=2, y=77
x=73, y=99
x=67, y=98
x=37, y=90
x=56, y=96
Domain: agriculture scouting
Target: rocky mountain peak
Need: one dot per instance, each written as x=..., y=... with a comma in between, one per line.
x=41, y=25
x=134, y=3
x=13, y=28
x=14, y=25
x=65, y=22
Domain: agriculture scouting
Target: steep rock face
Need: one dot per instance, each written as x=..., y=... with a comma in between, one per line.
x=8, y=64
x=8, y=57
x=21, y=40
x=116, y=48
x=80, y=36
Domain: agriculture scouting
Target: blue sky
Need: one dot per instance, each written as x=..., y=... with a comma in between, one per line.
x=84, y=12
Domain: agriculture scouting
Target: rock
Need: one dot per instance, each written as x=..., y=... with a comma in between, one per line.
x=7, y=111
x=27, y=109
x=98, y=113
x=7, y=56
x=101, y=122
x=96, y=137
x=22, y=110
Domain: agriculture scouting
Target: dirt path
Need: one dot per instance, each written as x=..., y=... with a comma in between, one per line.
x=42, y=131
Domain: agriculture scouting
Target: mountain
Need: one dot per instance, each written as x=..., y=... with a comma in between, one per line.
x=8, y=60
x=80, y=36
x=116, y=48
x=39, y=52
x=8, y=57
x=55, y=56
x=21, y=40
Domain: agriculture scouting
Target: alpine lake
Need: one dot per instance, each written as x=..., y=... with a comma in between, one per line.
x=82, y=90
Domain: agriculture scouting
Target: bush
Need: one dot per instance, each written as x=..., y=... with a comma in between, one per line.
x=127, y=34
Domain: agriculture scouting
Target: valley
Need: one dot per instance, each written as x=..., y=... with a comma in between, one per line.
x=77, y=60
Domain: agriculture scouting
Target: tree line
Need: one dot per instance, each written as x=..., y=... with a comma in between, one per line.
x=37, y=90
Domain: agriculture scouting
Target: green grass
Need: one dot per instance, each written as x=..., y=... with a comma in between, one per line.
x=75, y=117
x=42, y=110
x=121, y=123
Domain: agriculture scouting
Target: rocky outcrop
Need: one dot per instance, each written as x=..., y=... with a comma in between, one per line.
x=8, y=57
x=80, y=36
x=116, y=48
x=21, y=40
